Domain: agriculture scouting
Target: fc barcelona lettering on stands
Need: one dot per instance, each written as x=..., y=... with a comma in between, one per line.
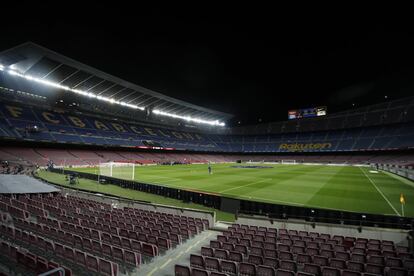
x=49, y=118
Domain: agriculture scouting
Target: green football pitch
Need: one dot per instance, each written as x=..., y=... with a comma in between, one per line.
x=347, y=188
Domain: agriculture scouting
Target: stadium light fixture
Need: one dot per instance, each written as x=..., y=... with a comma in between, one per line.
x=67, y=88
x=188, y=118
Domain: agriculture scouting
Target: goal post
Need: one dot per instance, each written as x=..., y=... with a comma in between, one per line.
x=118, y=170
x=287, y=162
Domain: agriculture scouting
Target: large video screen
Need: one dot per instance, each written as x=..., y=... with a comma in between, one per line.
x=307, y=112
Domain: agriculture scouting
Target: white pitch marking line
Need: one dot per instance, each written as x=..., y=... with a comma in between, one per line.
x=165, y=264
x=152, y=271
x=189, y=248
x=230, y=189
x=389, y=203
x=179, y=255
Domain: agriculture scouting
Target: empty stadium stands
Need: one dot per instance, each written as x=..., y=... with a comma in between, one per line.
x=255, y=250
x=17, y=121
x=75, y=157
x=43, y=231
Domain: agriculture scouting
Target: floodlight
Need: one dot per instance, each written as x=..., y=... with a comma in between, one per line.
x=16, y=73
x=188, y=118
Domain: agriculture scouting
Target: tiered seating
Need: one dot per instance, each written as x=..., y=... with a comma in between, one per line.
x=252, y=250
x=23, y=259
x=92, y=235
x=350, y=132
x=85, y=157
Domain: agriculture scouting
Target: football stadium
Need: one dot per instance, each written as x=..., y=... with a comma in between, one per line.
x=102, y=176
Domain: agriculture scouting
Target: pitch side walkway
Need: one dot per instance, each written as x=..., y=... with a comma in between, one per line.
x=164, y=265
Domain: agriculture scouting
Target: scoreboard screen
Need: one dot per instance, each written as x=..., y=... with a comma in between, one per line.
x=307, y=112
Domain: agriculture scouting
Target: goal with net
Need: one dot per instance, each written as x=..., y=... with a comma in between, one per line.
x=287, y=161
x=118, y=170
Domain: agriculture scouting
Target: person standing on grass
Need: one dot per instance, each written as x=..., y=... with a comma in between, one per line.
x=209, y=168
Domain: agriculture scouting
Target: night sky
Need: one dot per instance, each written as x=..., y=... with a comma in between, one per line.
x=255, y=64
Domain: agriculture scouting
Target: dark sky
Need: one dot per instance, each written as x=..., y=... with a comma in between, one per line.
x=253, y=63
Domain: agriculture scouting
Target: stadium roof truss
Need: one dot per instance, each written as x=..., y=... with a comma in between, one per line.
x=36, y=63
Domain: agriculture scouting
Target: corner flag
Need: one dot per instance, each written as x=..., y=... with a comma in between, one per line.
x=402, y=198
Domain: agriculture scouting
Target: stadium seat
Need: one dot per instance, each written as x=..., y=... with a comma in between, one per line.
x=330, y=271
x=287, y=265
x=312, y=269
x=228, y=267
x=199, y=272
x=207, y=251
x=265, y=271
x=181, y=270
x=92, y=263
x=246, y=269
x=197, y=261
x=211, y=264
x=282, y=272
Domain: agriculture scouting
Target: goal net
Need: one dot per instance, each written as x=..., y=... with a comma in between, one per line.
x=118, y=170
x=288, y=162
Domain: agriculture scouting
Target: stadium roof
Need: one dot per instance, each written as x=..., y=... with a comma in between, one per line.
x=41, y=63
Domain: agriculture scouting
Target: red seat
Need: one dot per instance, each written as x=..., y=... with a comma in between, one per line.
x=284, y=255
x=254, y=259
x=118, y=253
x=69, y=253
x=396, y=271
x=228, y=267
x=256, y=251
x=80, y=258
x=132, y=258
x=199, y=272
x=107, y=249
x=331, y=271
x=107, y=268
x=272, y=262
x=181, y=270
x=235, y=256
x=212, y=264
x=378, y=260
x=207, y=251
x=287, y=265
x=197, y=261
x=374, y=269
x=303, y=258
x=149, y=249
x=337, y=263
x=358, y=258
x=312, y=268
x=262, y=270
x=41, y=265
x=246, y=269
x=229, y=246
x=92, y=263
x=356, y=266
x=221, y=254
x=270, y=253
x=282, y=272
x=351, y=273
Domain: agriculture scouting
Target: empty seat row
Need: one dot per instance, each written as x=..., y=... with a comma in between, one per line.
x=96, y=245
x=29, y=261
